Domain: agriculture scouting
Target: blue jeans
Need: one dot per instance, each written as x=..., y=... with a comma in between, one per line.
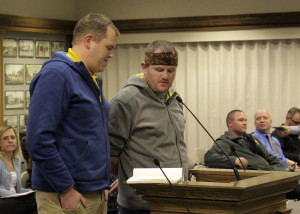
x=123, y=210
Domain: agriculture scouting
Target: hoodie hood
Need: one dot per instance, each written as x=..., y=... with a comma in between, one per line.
x=138, y=81
x=77, y=66
x=62, y=56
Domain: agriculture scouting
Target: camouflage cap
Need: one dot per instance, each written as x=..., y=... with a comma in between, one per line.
x=163, y=58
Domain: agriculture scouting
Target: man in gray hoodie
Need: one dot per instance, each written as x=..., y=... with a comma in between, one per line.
x=146, y=123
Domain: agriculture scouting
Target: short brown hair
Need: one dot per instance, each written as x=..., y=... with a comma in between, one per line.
x=163, y=45
x=17, y=152
x=95, y=23
x=230, y=115
x=292, y=111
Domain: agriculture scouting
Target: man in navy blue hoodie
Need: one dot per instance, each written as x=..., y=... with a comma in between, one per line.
x=67, y=132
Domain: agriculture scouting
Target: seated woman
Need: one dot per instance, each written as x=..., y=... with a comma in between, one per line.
x=10, y=176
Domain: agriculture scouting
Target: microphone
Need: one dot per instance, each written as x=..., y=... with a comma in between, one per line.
x=237, y=175
x=157, y=163
x=233, y=151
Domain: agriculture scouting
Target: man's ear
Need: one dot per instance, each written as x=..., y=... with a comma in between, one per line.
x=229, y=122
x=144, y=67
x=87, y=40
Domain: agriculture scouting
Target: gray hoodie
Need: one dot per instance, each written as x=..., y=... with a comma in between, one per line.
x=143, y=127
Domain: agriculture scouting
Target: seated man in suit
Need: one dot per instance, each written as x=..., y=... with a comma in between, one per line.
x=263, y=123
x=290, y=144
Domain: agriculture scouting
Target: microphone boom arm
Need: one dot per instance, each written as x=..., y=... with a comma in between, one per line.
x=157, y=163
x=237, y=175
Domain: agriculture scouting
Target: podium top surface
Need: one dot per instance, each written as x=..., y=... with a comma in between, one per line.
x=225, y=178
x=250, y=178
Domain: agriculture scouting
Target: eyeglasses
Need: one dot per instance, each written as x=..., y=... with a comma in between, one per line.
x=296, y=122
x=6, y=138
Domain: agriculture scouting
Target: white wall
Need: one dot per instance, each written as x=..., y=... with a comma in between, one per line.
x=51, y=9
x=138, y=9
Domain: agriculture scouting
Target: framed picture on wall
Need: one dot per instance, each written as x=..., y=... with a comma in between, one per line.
x=42, y=49
x=14, y=74
x=27, y=98
x=11, y=120
x=30, y=71
x=26, y=48
x=57, y=46
x=22, y=125
x=14, y=100
x=9, y=47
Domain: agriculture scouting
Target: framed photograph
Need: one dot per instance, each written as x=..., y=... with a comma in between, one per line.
x=14, y=74
x=30, y=71
x=14, y=100
x=42, y=49
x=27, y=98
x=22, y=124
x=9, y=47
x=26, y=48
x=11, y=120
x=57, y=46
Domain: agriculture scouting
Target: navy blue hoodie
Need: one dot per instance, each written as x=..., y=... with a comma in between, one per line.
x=67, y=131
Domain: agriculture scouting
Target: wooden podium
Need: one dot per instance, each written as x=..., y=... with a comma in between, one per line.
x=218, y=191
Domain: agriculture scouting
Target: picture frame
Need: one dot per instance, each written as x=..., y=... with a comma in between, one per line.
x=14, y=100
x=26, y=48
x=10, y=47
x=30, y=71
x=11, y=120
x=57, y=46
x=42, y=49
x=22, y=124
x=27, y=99
x=13, y=74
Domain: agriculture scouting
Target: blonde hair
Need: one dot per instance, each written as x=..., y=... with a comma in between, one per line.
x=17, y=152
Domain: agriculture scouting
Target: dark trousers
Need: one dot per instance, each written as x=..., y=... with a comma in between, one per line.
x=19, y=205
x=123, y=210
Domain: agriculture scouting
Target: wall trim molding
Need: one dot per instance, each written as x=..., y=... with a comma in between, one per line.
x=198, y=23
x=210, y=23
x=36, y=25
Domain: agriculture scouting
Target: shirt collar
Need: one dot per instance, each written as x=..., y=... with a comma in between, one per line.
x=73, y=56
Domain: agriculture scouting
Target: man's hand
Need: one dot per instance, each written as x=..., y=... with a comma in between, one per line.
x=238, y=163
x=71, y=199
x=292, y=165
x=106, y=195
x=285, y=132
x=114, y=187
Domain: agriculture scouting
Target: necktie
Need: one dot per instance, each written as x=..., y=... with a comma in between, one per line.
x=273, y=144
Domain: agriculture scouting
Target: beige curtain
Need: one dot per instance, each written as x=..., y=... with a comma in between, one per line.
x=214, y=78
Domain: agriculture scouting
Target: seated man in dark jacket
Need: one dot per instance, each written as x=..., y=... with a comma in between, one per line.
x=290, y=144
x=250, y=150
x=252, y=153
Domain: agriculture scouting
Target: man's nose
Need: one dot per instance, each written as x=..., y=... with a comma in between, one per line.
x=165, y=74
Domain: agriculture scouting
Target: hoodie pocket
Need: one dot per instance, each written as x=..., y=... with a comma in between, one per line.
x=92, y=163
